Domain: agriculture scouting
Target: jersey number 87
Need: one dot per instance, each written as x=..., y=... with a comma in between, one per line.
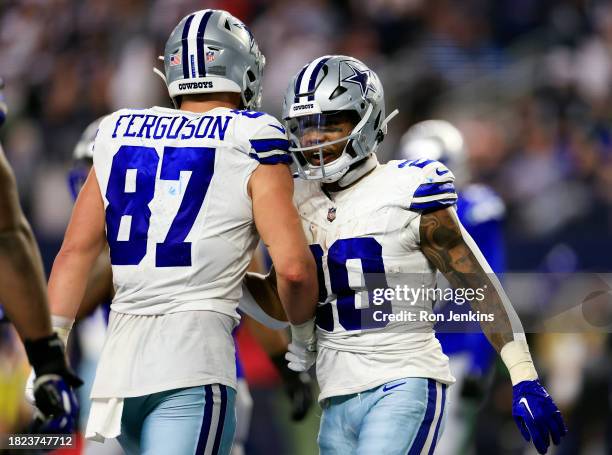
x=131, y=204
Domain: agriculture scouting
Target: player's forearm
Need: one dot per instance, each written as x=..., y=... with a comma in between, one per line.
x=451, y=249
x=453, y=253
x=297, y=289
x=68, y=280
x=497, y=328
x=99, y=285
x=514, y=350
x=22, y=282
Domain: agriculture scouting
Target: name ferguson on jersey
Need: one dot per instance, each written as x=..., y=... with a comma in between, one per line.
x=171, y=127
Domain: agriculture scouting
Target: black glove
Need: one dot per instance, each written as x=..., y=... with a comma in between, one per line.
x=474, y=388
x=298, y=387
x=53, y=386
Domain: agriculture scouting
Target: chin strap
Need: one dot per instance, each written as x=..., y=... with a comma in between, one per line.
x=383, y=125
x=159, y=72
x=163, y=78
x=358, y=170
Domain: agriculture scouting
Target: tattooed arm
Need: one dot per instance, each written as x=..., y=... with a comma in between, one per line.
x=452, y=251
x=445, y=244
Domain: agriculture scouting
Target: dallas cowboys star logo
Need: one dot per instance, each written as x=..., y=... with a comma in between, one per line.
x=362, y=78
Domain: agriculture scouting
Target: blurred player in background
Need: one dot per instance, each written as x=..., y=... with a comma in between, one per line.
x=93, y=314
x=481, y=212
x=24, y=300
x=370, y=226
x=181, y=193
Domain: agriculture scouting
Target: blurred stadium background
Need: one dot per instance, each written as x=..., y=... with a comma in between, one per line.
x=528, y=83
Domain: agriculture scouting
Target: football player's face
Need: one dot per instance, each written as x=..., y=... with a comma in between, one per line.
x=335, y=127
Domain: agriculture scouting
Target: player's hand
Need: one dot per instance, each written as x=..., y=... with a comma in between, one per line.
x=3, y=107
x=537, y=415
x=57, y=407
x=52, y=388
x=298, y=387
x=302, y=351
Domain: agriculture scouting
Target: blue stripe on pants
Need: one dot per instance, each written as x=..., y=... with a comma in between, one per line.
x=206, y=419
x=421, y=436
x=221, y=420
x=435, y=436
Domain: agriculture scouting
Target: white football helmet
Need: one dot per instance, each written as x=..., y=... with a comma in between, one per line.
x=437, y=140
x=82, y=158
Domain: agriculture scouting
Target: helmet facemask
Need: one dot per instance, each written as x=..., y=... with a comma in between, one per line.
x=323, y=145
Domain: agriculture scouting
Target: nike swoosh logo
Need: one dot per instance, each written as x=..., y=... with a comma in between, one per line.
x=386, y=388
x=279, y=128
x=441, y=173
x=524, y=401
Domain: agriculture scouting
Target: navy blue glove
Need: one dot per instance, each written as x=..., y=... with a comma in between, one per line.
x=57, y=406
x=55, y=400
x=537, y=415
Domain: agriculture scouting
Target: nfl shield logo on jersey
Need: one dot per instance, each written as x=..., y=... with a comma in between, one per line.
x=210, y=56
x=331, y=214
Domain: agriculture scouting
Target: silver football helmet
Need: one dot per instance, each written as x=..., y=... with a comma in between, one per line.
x=325, y=88
x=211, y=51
x=437, y=140
x=84, y=148
x=82, y=158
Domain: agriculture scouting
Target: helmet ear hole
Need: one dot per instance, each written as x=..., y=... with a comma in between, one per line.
x=227, y=25
x=248, y=94
x=251, y=76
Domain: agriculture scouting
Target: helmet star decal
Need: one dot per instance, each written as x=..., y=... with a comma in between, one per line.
x=362, y=78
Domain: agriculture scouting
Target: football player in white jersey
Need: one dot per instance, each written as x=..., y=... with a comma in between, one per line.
x=376, y=230
x=95, y=309
x=24, y=300
x=181, y=195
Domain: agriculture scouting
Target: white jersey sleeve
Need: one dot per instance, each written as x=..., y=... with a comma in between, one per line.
x=435, y=186
x=268, y=142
